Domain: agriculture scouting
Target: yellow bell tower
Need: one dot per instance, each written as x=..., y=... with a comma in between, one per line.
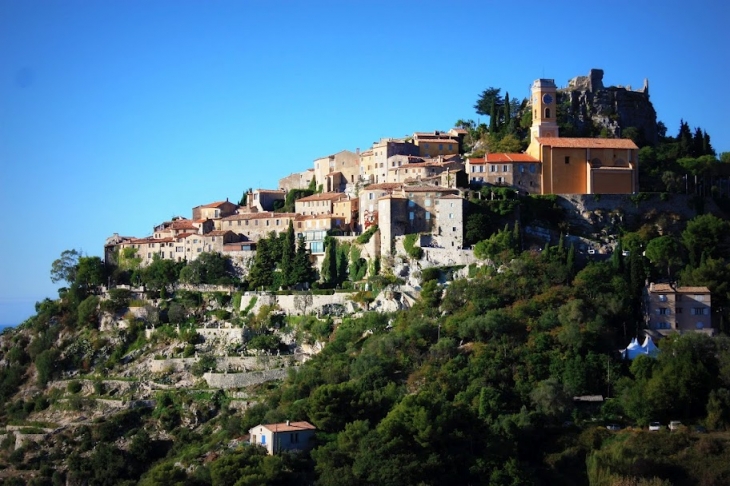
x=544, y=109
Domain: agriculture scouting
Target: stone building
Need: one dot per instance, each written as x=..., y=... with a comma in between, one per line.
x=431, y=144
x=403, y=168
x=297, y=180
x=335, y=171
x=670, y=309
x=261, y=200
x=374, y=162
x=215, y=210
x=318, y=203
x=257, y=225
x=521, y=172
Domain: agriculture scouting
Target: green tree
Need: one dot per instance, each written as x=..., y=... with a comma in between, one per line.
x=208, y=268
x=664, y=253
x=706, y=234
x=64, y=268
x=160, y=273
x=90, y=274
x=488, y=99
x=329, y=264
x=288, y=255
x=302, y=271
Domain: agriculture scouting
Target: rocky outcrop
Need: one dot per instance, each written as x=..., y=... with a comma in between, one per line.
x=591, y=107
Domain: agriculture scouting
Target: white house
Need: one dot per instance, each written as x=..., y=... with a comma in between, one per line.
x=284, y=436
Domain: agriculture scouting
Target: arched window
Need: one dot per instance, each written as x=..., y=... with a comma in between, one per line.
x=547, y=112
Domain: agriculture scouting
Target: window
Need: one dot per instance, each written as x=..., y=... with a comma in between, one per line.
x=700, y=311
x=411, y=204
x=678, y=310
x=662, y=311
x=547, y=112
x=492, y=168
x=567, y=159
x=428, y=216
x=239, y=222
x=662, y=298
x=505, y=168
x=441, y=146
x=700, y=298
x=450, y=146
x=410, y=215
x=428, y=202
x=451, y=215
x=532, y=168
x=522, y=168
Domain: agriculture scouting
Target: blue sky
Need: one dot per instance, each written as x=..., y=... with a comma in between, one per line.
x=116, y=115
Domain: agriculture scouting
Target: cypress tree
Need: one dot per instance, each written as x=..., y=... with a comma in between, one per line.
x=570, y=263
x=302, y=271
x=493, y=118
x=506, y=110
x=329, y=264
x=288, y=252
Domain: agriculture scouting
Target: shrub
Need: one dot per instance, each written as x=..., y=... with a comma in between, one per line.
x=365, y=237
x=74, y=386
x=413, y=251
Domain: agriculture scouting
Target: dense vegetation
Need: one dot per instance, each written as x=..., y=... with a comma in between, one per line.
x=474, y=384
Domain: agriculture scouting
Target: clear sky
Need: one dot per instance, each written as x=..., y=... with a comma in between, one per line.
x=116, y=115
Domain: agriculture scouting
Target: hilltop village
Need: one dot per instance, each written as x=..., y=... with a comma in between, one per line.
x=412, y=185
x=430, y=310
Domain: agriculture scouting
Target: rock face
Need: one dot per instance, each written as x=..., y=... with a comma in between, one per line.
x=591, y=107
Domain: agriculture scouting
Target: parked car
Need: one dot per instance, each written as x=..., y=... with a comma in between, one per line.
x=675, y=425
x=654, y=426
x=613, y=427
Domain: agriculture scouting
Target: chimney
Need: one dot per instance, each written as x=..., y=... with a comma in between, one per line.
x=288, y=423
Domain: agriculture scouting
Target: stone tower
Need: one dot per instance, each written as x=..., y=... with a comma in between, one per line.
x=544, y=107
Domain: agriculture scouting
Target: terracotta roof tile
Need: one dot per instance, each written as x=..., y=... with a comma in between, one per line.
x=326, y=196
x=214, y=204
x=566, y=142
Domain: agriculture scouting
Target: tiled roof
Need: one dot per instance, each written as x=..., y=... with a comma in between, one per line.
x=263, y=215
x=185, y=224
x=667, y=288
x=218, y=233
x=610, y=143
x=383, y=186
x=277, y=191
x=451, y=196
x=503, y=158
x=326, y=196
x=215, y=204
x=185, y=235
x=429, y=189
x=289, y=426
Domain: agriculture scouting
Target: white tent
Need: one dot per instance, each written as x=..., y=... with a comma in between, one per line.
x=633, y=350
x=649, y=347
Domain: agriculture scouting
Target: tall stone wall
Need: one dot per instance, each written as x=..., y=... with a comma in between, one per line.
x=241, y=380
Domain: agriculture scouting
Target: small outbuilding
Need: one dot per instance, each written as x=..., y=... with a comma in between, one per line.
x=285, y=436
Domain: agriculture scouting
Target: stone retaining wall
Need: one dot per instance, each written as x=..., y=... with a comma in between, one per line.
x=240, y=380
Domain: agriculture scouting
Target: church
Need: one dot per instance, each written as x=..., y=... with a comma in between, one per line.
x=577, y=165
